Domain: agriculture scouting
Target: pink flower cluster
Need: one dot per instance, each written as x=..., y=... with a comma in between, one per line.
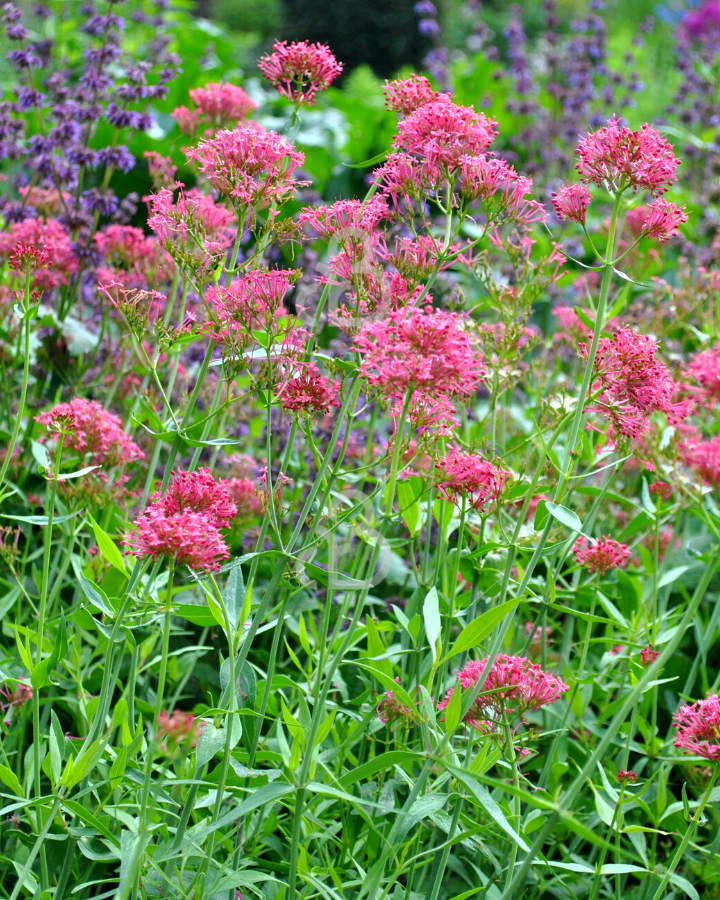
x=472, y=477
x=698, y=728
x=192, y=227
x=91, y=430
x=252, y=301
x=627, y=159
x=705, y=369
x=424, y=352
x=438, y=143
x=185, y=522
x=571, y=202
x=408, y=95
x=602, y=555
x=633, y=382
x=179, y=728
x=300, y=69
x=218, y=105
x=131, y=257
x=309, y=392
x=48, y=238
x=252, y=168
x=704, y=458
x=517, y=686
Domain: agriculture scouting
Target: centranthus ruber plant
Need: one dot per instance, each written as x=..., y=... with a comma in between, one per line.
x=355, y=547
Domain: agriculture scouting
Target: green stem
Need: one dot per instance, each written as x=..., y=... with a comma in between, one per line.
x=23, y=392
x=692, y=827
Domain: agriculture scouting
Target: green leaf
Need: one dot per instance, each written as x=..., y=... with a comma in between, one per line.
x=107, y=547
x=197, y=614
x=387, y=681
x=96, y=595
x=40, y=674
x=476, y=631
x=489, y=805
x=41, y=520
x=10, y=779
x=117, y=769
x=379, y=764
x=57, y=747
x=431, y=618
x=453, y=710
x=365, y=164
x=564, y=515
x=234, y=596
x=409, y=505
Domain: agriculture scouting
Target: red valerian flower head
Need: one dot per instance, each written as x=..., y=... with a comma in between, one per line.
x=346, y=219
x=626, y=776
x=251, y=301
x=627, y=159
x=391, y=710
x=443, y=133
x=663, y=220
x=698, y=728
x=634, y=382
x=199, y=492
x=648, y=655
x=15, y=697
x=409, y=94
x=184, y=522
x=218, y=105
x=571, y=202
x=517, y=687
x=27, y=259
x=469, y=475
x=419, y=349
x=179, y=728
x=601, y=556
x=90, y=429
x=705, y=369
x=661, y=489
x=300, y=69
x=499, y=186
x=50, y=241
x=244, y=494
x=309, y=392
x=704, y=458
x=252, y=168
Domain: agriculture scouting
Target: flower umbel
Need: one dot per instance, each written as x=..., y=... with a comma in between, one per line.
x=698, y=728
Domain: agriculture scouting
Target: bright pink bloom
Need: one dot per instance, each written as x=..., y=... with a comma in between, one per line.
x=661, y=489
x=443, y=133
x=345, y=219
x=407, y=95
x=571, y=202
x=648, y=655
x=299, y=70
x=252, y=301
x=704, y=458
x=705, y=368
x=92, y=430
x=634, y=383
x=193, y=227
x=244, y=494
x=197, y=491
x=219, y=105
x=309, y=392
x=50, y=241
x=640, y=160
x=27, y=259
x=601, y=556
x=469, y=475
x=179, y=727
x=184, y=522
x=626, y=776
x=518, y=687
x=422, y=351
x=698, y=728
x=252, y=168
x=15, y=697
x=499, y=186
x=663, y=220
x=162, y=169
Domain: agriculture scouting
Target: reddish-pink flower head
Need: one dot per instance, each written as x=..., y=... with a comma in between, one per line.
x=571, y=202
x=601, y=556
x=469, y=475
x=627, y=159
x=698, y=728
x=407, y=95
x=91, y=430
x=663, y=220
x=300, y=69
